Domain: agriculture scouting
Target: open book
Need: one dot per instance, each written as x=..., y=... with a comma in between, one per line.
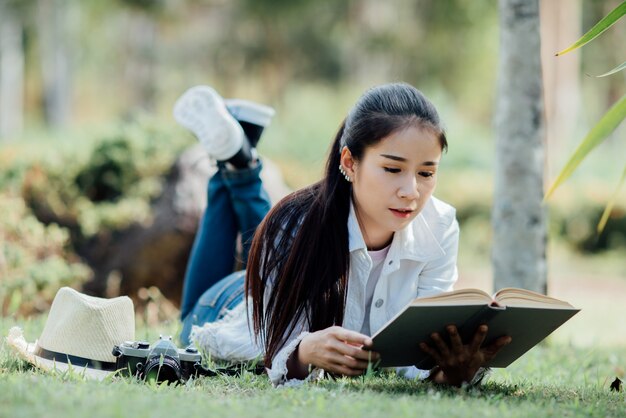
x=526, y=316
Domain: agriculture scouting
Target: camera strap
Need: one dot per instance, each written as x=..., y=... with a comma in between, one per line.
x=234, y=370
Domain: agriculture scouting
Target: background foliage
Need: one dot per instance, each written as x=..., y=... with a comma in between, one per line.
x=97, y=140
x=127, y=61
x=35, y=259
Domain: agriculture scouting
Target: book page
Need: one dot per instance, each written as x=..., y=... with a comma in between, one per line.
x=456, y=297
x=525, y=298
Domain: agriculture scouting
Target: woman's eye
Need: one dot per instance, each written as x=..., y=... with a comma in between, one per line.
x=392, y=170
x=426, y=174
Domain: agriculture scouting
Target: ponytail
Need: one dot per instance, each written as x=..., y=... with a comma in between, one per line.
x=302, y=248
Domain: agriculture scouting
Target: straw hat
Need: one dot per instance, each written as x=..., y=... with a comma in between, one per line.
x=79, y=334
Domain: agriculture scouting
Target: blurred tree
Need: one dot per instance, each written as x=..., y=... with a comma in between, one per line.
x=142, y=31
x=280, y=42
x=55, y=50
x=145, y=5
x=11, y=69
x=356, y=42
x=150, y=48
x=560, y=22
x=519, y=219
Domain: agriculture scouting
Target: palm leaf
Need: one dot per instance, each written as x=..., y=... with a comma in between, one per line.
x=596, y=135
x=609, y=206
x=614, y=70
x=600, y=27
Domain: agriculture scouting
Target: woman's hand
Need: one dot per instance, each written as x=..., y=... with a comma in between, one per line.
x=460, y=362
x=336, y=350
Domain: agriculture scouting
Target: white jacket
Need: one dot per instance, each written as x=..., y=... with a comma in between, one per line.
x=421, y=262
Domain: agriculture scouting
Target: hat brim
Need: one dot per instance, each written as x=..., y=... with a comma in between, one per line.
x=26, y=351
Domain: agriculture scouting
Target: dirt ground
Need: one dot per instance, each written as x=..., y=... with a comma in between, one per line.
x=600, y=296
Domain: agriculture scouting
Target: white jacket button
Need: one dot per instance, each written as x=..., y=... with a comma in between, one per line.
x=379, y=303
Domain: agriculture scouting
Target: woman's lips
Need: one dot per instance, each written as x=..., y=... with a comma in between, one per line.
x=401, y=214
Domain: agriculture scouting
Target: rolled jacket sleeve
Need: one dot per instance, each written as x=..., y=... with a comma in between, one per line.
x=278, y=372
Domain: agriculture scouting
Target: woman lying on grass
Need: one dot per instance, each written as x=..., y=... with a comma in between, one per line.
x=330, y=264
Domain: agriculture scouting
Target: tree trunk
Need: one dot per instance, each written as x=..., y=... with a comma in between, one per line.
x=140, y=72
x=560, y=26
x=55, y=62
x=11, y=73
x=519, y=219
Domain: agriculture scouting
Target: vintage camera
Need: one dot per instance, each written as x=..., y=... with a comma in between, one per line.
x=160, y=362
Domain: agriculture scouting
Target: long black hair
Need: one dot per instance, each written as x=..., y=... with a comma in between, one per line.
x=299, y=261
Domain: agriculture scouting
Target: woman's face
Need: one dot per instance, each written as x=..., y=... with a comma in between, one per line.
x=393, y=181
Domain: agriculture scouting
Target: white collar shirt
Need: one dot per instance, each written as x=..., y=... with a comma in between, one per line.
x=421, y=262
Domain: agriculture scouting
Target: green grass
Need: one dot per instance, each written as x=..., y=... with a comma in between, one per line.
x=550, y=380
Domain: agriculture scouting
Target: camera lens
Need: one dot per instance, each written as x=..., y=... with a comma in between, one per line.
x=162, y=369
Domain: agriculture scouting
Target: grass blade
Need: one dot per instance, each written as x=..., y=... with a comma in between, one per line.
x=596, y=135
x=599, y=27
x=610, y=204
x=614, y=70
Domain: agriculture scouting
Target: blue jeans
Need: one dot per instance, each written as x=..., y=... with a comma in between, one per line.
x=237, y=202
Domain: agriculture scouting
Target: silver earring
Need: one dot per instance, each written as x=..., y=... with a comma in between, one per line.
x=342, y=171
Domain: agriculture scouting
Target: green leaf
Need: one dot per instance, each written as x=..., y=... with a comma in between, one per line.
x=596, y=135
x=610, y=204
x=600, y=27
x=614, y=70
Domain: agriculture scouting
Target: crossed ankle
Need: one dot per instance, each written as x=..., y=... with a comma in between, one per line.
x=252, y=164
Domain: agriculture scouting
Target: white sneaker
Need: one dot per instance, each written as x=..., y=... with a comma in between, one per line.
x=251, y=112
x=201, y=110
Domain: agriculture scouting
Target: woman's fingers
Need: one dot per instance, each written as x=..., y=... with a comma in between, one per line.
x=494, y=348
x=351, y=343
x=346, y=349
x=347, y=361
x=344, y=370
x=441, y=345
x=479, y=338
x=361, y=354
x=430, y=351
x=455, y=339
x=351, y=337
x=459, y=361
x=338, y=350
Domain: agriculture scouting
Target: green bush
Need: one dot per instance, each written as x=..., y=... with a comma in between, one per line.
x=110, y=190
x=571, y=219
x=579, y=228
x=110, y=172
x=35, y=260
x=71, y=198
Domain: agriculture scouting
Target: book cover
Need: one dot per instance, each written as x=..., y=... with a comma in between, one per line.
x=398, y=341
